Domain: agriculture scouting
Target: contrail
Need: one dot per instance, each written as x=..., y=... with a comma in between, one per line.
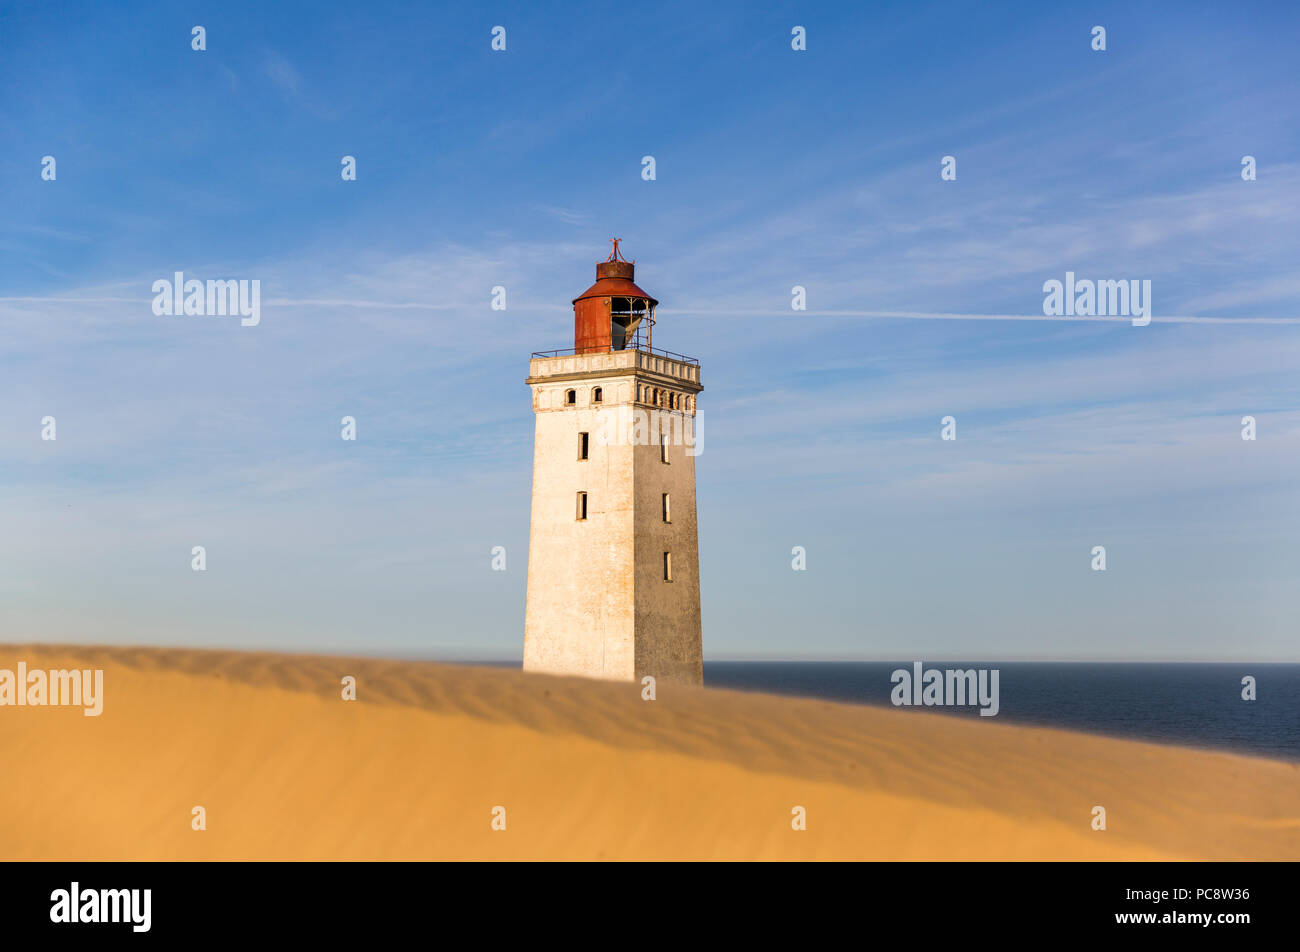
x=281, y=302
x=951, y=316
x=715, y=312
x=75, y=300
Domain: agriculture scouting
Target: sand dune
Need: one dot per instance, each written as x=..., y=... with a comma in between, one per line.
x=412, y=769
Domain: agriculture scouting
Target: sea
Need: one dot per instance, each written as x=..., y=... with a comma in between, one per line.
x=1193, y=705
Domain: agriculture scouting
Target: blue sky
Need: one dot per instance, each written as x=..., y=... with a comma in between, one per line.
x=775, y=168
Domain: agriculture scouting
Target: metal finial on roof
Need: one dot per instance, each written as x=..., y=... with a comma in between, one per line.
x=616, y=255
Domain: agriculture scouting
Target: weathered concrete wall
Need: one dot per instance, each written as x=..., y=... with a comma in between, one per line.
x=668, y=636
x=580, y=594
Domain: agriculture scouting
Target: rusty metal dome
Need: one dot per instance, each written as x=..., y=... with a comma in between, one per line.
x=614, y=279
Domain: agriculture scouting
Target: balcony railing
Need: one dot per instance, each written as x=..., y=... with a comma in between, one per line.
x=634, y=344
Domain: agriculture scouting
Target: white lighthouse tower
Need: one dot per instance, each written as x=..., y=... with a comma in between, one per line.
x=613, y=553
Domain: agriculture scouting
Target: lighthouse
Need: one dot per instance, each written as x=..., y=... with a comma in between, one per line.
x=613, y=550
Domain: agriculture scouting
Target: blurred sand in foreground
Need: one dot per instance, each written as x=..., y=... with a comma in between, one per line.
x=585, y=770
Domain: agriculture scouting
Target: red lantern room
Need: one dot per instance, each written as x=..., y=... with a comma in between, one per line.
x=611, y=313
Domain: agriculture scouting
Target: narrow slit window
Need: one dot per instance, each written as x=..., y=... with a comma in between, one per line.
x=668, y=566
x=582, y=507
x=663, y=448
x=668, y=512
x=582, y=446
